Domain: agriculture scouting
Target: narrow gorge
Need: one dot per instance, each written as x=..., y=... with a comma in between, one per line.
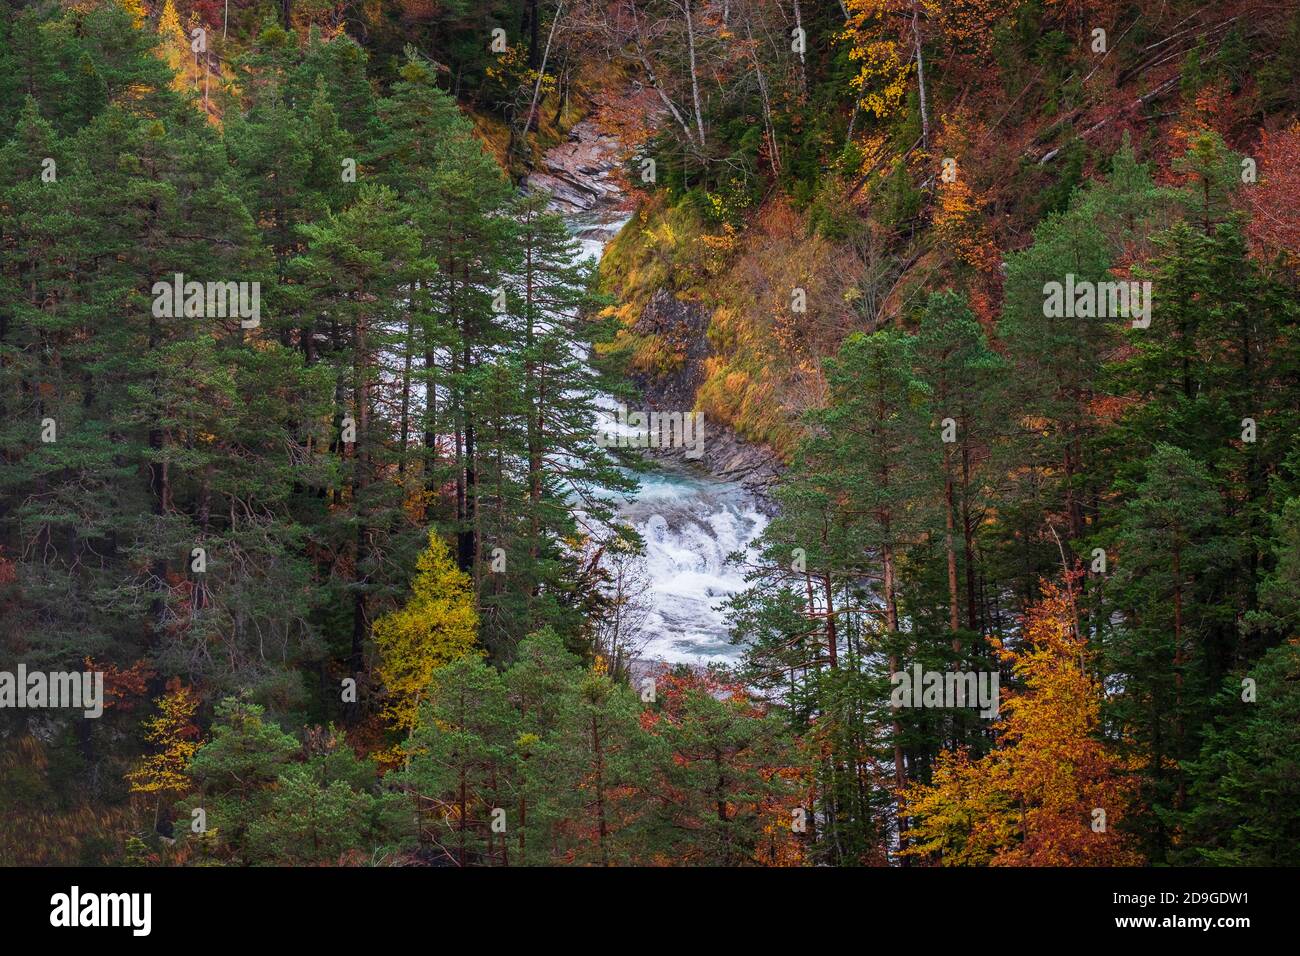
x=692, y=515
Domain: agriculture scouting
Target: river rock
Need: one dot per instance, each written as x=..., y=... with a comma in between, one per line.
x=578, y=173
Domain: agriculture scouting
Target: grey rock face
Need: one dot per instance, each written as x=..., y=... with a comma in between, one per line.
x=726, y=455
x=578, y=173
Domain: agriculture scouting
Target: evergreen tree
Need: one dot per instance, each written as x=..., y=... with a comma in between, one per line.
x=964, y=375
x=235, y=769
x=542, y=682
x=1166, y=538
x=1057, y=361
x=357, y=264
x=1242, y=792
x=723, y=775
x=329, y=809
x=462, y=763
x=610, y=764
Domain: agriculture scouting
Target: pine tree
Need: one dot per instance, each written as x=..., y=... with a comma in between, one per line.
x=877, y=434
x=463, y=214
x=542, y=682
x=1242, y=793
x=1165, y=540
x=964, y=375
x=357, y=264
x=610, y=761
x=235, y=769
x=329, y=809
x=462, y=763
x=724, y=778
x=1212, y=173
x=290, y=160
x=1057, y=362
x=557, y=458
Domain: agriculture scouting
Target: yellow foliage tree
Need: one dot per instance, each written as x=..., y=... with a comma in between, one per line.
x=173, y=731
x=137, y=11
x=174, y=46
x=888, y=41
x=1050, y=793
x=882, y=57
x=965, y=816
x=436, y=626
x=958, y=226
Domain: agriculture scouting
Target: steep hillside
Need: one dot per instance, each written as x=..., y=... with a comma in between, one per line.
x=837, y=186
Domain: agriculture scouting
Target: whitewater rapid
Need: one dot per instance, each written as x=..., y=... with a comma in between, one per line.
x=690, y=522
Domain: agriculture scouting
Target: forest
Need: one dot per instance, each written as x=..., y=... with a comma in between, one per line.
x=987, y=313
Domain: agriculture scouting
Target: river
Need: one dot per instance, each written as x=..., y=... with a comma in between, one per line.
x=690, y=520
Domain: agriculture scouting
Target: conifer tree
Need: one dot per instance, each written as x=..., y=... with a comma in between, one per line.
x=235, y=769
x=723, y=774
x=329, y=809
x=1166, y=538
x=964, y=375
x=541, y=682
x=356, y=266
x=877, y=433
x=462, y=763
x=1242, y=791
x=436, y=626
x=610, y=764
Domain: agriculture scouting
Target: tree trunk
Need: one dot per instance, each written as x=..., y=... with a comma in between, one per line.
x=832, y=637
x=360, y=484
x=537, y=88
x=973, y=618
x=953, y=600
x=1179, y=661
x=602, y=829
x=803, y=67
x=891, y=621
x=920, y=77
x=695, y=80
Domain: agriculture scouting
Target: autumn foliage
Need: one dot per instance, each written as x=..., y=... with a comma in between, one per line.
x=438, y=625
x=1275, y=218
x=176, y=736
x=1051, y=793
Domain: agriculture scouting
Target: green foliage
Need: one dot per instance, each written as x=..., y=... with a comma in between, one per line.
x=261, y=805
x=1243, y=792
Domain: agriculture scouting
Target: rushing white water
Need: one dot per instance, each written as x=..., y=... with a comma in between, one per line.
x=690, y=522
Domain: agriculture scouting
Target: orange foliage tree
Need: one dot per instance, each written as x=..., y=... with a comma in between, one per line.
x=1274, y=215
x=121, y=687
x=1051, y=793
